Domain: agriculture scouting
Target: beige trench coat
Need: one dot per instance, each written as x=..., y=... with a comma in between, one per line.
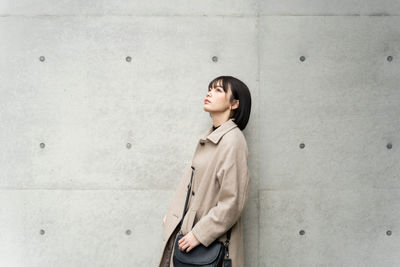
x=219, y=193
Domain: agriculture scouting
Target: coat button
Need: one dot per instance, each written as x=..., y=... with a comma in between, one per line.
x=193, y=193
x=202, y=143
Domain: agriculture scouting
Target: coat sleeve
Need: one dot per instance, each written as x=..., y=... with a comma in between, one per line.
x=232, y=196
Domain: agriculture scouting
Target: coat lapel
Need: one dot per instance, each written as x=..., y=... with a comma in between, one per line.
x=216, y=135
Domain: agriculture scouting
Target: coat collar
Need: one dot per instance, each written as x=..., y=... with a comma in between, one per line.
x=216, y=135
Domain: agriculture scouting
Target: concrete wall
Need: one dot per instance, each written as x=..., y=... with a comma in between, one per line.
x=94, y=143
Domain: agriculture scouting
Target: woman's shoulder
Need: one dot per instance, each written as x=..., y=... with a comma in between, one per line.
x=234, y=138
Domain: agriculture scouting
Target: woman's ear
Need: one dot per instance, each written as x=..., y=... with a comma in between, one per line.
x=235, y=105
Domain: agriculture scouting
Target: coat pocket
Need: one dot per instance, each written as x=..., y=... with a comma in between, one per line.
x=188, y=221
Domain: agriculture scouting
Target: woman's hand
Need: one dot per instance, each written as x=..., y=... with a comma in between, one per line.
x=163, y=220
x=188, y=242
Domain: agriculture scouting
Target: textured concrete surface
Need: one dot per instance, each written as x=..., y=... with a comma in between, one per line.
x=93, y=145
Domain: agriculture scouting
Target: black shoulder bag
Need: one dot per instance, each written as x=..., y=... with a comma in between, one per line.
x=211, y=256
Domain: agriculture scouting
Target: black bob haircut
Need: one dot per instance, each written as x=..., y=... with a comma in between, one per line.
x=241, y=92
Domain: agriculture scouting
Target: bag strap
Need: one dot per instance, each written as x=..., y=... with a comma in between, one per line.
x=228, y=235
x=226, y=244
x=187, y=198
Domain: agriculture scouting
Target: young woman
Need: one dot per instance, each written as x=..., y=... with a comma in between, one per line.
x=219, y=190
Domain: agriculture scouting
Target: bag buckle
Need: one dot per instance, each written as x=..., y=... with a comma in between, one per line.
x=227, y=253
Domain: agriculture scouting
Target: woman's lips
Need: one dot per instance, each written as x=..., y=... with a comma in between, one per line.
x=206, y=101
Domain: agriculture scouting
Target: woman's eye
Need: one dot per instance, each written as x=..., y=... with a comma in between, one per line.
x=218, y=89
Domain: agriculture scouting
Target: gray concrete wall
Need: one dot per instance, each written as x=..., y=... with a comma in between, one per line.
x=93, y=145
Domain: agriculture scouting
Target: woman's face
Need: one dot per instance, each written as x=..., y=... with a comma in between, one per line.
x=216, y=99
